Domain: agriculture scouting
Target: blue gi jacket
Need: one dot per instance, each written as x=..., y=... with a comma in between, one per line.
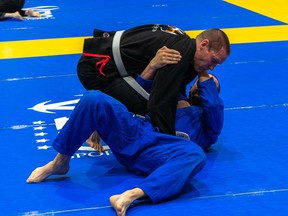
x=202, y=123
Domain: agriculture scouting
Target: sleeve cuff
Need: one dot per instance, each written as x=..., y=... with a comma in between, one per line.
x=146, y=84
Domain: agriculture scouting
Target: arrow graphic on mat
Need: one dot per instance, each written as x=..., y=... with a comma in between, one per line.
x=45, y=108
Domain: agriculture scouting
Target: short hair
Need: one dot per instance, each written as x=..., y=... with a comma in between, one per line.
x=217, y=39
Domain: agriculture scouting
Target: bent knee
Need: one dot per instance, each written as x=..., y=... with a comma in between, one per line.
x=92, y=96
x=196, y=154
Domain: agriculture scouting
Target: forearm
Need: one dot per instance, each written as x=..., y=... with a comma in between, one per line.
x=163, y=98
x=148, y=73
x=163, y=57
x=213, y=109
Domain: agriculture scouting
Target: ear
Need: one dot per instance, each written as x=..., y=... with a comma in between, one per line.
x=205, y=42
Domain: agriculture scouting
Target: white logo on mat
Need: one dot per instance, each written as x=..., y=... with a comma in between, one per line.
x=42, y=137
x=45, y=12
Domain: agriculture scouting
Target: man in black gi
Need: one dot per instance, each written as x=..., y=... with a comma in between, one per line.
x=97, y=68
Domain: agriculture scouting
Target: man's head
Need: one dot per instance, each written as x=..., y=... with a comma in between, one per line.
x=194, y=98
x=212, y=48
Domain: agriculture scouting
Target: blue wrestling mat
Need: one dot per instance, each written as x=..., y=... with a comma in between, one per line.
x=246, y=171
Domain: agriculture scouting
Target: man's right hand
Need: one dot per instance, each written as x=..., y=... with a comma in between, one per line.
x=163, y=57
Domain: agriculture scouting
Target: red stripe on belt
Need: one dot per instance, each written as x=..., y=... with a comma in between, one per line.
x=104, y=59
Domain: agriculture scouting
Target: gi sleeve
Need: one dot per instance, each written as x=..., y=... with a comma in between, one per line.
x=146, y=84
x=213, y=113
x=182, y=97
x=164, y=95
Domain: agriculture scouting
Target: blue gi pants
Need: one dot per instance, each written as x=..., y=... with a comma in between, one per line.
x=168, y=161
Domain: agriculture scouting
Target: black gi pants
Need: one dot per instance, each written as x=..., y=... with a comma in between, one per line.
x=116, y=87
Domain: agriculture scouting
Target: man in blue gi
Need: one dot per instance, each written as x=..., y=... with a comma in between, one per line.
x=168, y=161
x=202, y=115
x=206, y=123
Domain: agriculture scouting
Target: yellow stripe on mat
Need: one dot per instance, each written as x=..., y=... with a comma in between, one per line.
x=41, y=47
x=64, y=46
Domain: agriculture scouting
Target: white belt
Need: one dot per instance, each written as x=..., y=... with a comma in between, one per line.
x=120, y=66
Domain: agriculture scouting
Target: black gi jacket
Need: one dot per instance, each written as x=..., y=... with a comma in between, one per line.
x=138, y=46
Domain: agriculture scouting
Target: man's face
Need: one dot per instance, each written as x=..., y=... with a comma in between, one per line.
x=207, y=59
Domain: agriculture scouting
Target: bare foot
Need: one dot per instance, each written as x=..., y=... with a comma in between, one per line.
x=94, y=142
x=32, y=13
x=15, y=15
x=121, y=202
x=60, y=165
